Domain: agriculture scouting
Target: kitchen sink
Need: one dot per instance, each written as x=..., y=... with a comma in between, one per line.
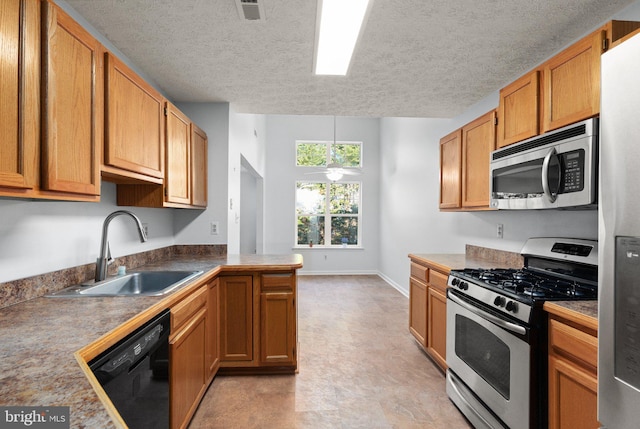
x=149, y=283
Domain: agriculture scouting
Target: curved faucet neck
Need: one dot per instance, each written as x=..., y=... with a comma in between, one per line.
x=105, y=255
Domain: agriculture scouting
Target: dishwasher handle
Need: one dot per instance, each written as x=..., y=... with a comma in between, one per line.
x=132, y=349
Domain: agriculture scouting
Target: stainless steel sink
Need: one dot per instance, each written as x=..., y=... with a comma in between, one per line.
x=150, y=283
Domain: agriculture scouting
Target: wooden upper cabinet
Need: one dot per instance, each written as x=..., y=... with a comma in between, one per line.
x=72, y=107
x=518, y=113
x=199, y=177
x=450, y=170
x=478, y=140
x=134, y=129
x=20, y=93
x=178, y=152
x=563, y=90
x=572, y=83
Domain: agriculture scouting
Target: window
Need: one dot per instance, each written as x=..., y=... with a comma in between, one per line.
x=328, y=213
x=321, y=154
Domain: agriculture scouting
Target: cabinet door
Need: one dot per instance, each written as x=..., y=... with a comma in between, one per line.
x=20, y=89
x=178, y=152
x=277, y=328
x=478, y=140
x=437, y=326
x=199, y=154
x=72, y=107
x=236, y=318
x=518, y=110
x=188, y=370
x=572, y=83
x=573, y=400
x=450, y=170
x=134, y=137
x=418, y=310
x=213, y=328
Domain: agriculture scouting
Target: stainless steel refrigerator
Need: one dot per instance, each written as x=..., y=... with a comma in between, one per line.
x=619, y=239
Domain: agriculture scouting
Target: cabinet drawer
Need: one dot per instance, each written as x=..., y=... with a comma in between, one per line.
x=420, y=272
x=570, y=341
x=280, y=282
x=438, y=280
x=186, y=308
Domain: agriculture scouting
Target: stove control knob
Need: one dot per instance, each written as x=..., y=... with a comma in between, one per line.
x=499, y=301
x=512, y=306
x=455, y=281
x=464, y=285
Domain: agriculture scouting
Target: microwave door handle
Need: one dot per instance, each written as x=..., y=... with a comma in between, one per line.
x=488, y=316
x=545, y=175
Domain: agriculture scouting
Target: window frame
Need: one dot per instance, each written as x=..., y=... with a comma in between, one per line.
x=328, y=144
x=328, y=216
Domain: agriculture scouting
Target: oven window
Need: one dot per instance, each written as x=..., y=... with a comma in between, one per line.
x=485, y=353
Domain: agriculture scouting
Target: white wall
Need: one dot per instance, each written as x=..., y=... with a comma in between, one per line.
x=282, y=173
x=247, y=140
x=37, y=237
x=194, y=226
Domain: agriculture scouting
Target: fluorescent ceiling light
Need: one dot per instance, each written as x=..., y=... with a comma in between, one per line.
x=337, y=32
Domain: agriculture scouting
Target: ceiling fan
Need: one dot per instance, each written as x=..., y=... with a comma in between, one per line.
x=334, y=171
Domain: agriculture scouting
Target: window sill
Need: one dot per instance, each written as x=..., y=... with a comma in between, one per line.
x=323, y=248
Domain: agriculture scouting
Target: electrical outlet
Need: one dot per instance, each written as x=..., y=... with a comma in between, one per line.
x=500, y=230
x=215, y=228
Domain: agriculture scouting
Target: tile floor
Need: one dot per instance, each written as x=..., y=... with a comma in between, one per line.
x=358, y=368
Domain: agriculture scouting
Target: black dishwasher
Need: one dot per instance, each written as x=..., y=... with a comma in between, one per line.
x=135, y=374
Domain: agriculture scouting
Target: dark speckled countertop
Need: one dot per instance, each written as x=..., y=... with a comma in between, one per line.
x=38, y=338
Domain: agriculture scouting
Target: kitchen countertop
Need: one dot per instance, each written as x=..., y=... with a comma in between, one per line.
x=458, y=261
x=39, y=337
x=582, y=312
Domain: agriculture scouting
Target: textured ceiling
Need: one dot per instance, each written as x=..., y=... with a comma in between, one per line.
x=422, y=58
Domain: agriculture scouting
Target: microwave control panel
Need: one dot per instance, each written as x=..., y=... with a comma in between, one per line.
x=573, y=171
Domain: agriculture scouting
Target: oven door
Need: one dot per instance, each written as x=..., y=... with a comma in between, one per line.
x=489, y=361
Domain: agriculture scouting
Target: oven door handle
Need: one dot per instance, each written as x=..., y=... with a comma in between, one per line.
x=456, y=389
x=488, y=316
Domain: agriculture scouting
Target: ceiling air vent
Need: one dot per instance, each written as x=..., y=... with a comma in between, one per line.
x=250, y=10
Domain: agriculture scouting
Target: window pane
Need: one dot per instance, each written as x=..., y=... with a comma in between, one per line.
x=344, y=230
x=346, y=154
x=345, y=198
x=311, y=154
x=311, y=230
x=310, y=198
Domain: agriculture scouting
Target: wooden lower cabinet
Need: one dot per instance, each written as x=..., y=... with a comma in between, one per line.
x=213, y=328
x=277, y=319
x=418, y=310
x=437, y=322
x=243, y=323
x=236, y=318
x=428, y=308
x=258, y=323
x=189, y=375
x=573, y=378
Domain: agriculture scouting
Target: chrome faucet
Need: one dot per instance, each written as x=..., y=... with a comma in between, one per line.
x=105, y=252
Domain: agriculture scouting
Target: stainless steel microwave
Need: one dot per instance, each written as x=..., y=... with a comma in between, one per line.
x=555, y=170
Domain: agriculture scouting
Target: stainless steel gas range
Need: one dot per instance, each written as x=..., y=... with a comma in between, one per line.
x=497, y=330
